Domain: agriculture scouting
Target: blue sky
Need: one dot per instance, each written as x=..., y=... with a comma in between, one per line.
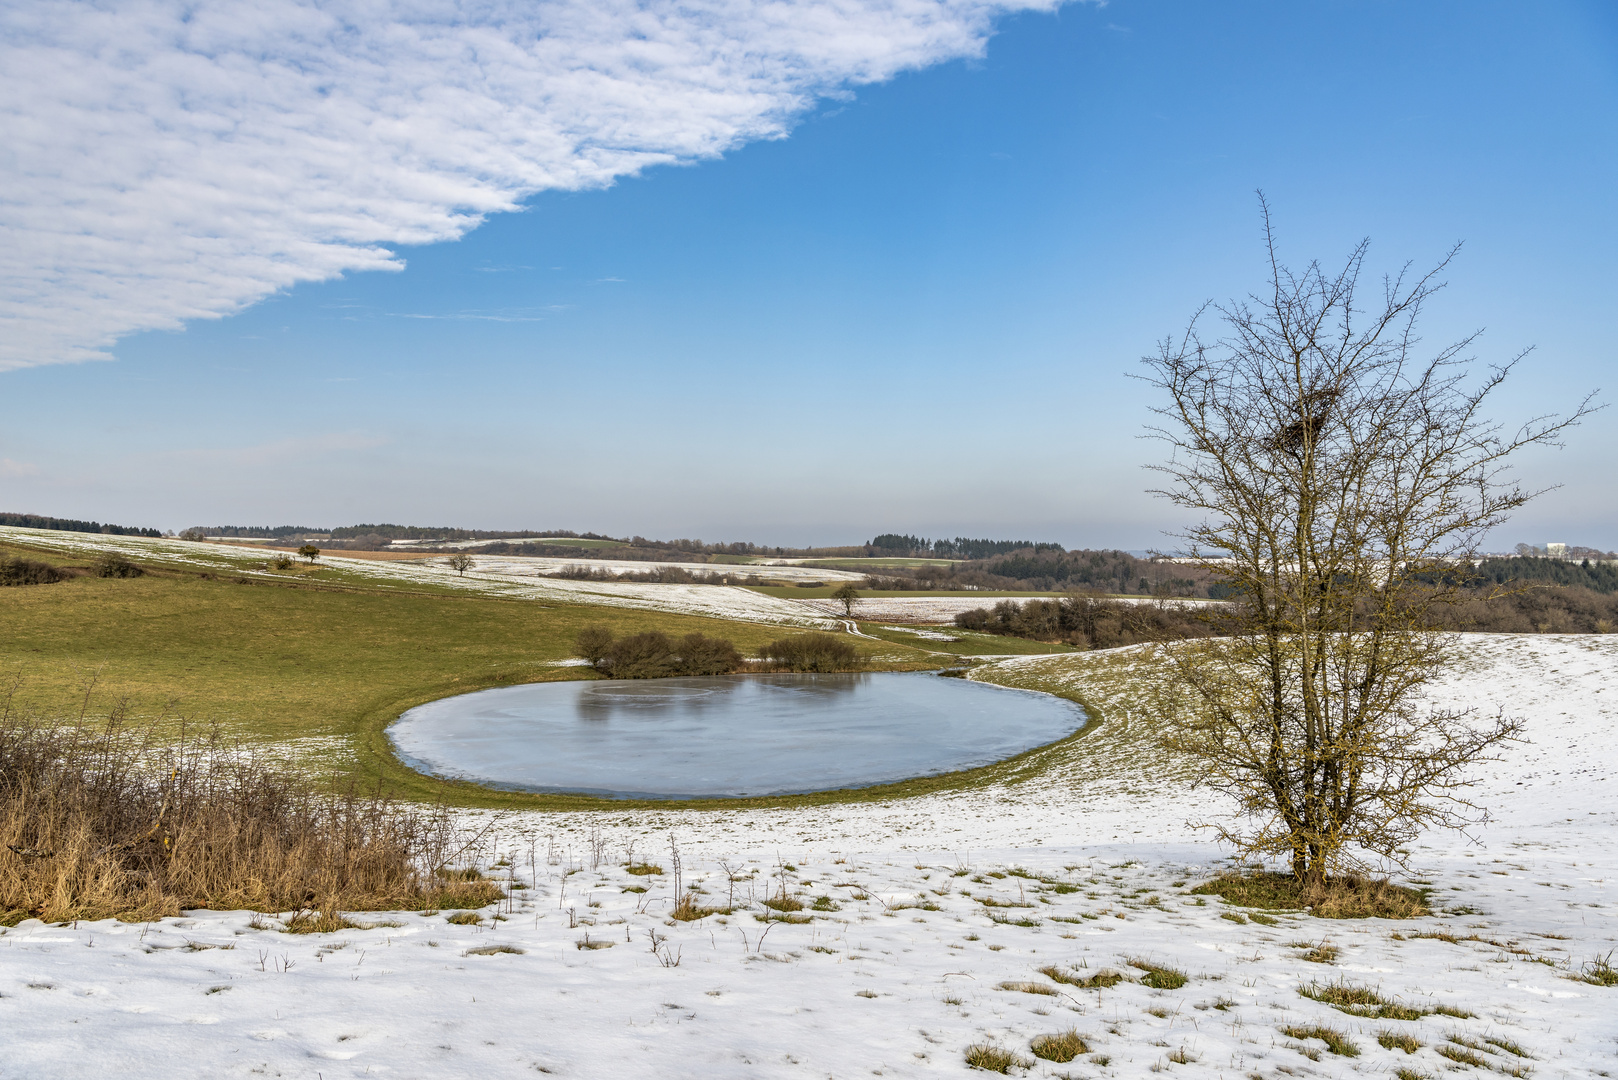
x=916, y=311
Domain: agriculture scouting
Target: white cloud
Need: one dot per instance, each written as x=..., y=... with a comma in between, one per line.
x=17, y=469
x=164, y=160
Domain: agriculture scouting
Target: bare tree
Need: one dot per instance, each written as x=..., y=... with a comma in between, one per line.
x=847, y=594
x=1344, y=483
x=460, y=562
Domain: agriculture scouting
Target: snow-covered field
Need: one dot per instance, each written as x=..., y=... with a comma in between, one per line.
x=508, y=576
x=925, y=948
x=528, y=565
x=874, y=606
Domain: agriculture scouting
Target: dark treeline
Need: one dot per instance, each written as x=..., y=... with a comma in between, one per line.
x=438, y=532
x=36, y=521
x=268, y=532
x=1034, y=570
x=1601, y=577
x=895, y=545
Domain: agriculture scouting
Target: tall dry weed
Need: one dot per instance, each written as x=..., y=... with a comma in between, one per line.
x=100, y=817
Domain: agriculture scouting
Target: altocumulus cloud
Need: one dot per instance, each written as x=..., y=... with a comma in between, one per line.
x=164, y=161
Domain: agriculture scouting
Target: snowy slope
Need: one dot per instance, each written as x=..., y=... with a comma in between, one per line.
x=508, y=576
x=907, y=972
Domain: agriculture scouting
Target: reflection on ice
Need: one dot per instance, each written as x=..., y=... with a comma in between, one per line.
x=600, y=700
x=726, y=735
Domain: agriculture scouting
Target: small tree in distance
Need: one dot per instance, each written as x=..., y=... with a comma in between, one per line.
x=309, y=552
x=847, y=593
x=460, y=562
x=1344, y=485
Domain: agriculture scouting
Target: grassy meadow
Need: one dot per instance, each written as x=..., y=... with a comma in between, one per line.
x=314, y=665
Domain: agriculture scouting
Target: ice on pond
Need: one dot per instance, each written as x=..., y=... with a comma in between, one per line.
x=727, y=735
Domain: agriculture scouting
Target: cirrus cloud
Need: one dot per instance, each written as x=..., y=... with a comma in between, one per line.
x=165, y=160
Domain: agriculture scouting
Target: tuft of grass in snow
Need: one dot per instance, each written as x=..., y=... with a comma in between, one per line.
x=1099, y=981
x=465, y=918
x=1362, y=1001
x=1323, y=953
x=1599, y=972
x=318, y=922
x=1028, y=987
x=642, y=869
x=688, y=910
x=492, y=950
x=991, y=1058
x=1398, y=1040
x=1061, y=1047
x=1336, y=1041
x=1462, y=1055
x=1158, y=976
x=1510, y=1047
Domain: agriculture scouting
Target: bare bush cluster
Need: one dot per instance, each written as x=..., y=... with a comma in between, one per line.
x=662, y=575
x=811, y=652
x=114, y=565
x=1090, y=622
x=29, y=572
x=99, y=818
x=654, y=655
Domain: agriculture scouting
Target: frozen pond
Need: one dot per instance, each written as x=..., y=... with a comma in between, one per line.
x=725, y=736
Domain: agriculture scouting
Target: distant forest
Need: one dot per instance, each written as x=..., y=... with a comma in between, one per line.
x=1601, y=577
x=267, y=532
x=895, y=544
x=36, y=521
x=1048, y=568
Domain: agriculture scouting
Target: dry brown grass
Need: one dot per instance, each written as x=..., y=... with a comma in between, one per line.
x=1061, y=1047
x=98, y=819
x=1346, y=897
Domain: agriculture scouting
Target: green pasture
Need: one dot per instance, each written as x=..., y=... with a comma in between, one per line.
x=313, y=666
x=970, y=643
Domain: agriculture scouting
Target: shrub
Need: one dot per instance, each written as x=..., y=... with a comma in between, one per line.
x=703, y=655
x=592, y=643
x=811, y=652
x=648, y=655
x=28, y=572
x=113, y=565
x=653, y=655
